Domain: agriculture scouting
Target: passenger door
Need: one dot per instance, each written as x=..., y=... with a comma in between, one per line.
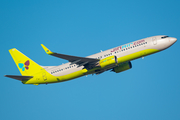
x=154, y=40
x=44, y=76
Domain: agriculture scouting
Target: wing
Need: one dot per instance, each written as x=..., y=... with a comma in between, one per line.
x=21, y=78
x=81, y=61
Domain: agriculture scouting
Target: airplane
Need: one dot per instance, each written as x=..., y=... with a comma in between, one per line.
x=117, y=59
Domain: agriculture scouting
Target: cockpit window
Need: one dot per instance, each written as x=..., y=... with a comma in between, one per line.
x=164, y=37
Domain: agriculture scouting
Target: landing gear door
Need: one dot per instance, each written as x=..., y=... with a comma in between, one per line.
x=154, y=40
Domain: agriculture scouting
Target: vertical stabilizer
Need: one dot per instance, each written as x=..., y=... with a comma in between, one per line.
x=26, y=66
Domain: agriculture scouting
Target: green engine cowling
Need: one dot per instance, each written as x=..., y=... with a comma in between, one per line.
x=111, y=60
x=122, y=67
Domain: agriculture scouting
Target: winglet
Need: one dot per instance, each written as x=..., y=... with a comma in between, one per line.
x=46, y=50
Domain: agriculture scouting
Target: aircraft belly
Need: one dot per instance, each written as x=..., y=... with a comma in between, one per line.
x=73, y=75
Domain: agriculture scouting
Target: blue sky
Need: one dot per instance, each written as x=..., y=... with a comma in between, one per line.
x=150, y=90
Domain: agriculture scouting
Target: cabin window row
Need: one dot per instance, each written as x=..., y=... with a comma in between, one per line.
x=123, y=50
x=62, y=69
x=107, y=55
x=131, y=47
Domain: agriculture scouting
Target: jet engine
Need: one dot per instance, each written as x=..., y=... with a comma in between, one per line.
x=122, y=67
x=111, y=60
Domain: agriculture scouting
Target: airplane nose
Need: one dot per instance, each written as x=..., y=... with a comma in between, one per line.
x=173, y=40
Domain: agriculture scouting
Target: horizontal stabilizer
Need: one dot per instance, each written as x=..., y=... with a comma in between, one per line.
x=21, y=78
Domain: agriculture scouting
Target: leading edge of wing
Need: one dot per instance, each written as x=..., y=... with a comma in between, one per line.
x=70, y=58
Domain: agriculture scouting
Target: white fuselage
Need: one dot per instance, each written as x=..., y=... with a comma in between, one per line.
x=155, y=42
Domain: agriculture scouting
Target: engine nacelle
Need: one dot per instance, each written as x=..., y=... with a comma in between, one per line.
x=111, y=60
x=122, y=67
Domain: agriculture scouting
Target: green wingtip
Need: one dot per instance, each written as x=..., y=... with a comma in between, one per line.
x=46, y=50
